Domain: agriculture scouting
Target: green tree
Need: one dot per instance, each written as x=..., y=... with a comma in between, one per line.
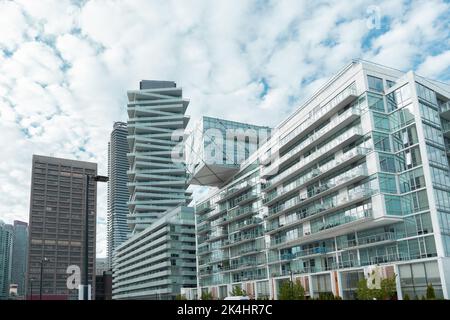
x=298, y=291
x=406, y=297
x=237, y=291
x=328, y=296
x=291, y=291
x=431, y=295
x=387, y=290
x=206, y=296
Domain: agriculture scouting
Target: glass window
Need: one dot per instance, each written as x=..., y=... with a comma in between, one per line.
x=375, y=102
x=426, y=94
x=430, y=114
x=381, y=141
x=375, y=84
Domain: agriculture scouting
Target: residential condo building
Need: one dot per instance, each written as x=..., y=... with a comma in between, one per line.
x=57, y=227
x=6, y=247
x=156, y=123
x=156, y=263
x=159, y=257
x=117, y=228
x=19, y=256
x=356, y=178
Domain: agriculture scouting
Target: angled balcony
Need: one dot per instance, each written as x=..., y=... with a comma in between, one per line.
x=245, y=224
x=345, y=138
x=318, y=114
x=368, y=241
x=330, y=186
x=446, y=128
x=203, y=207
x=234, y=191
x=445, y=110
x=343, y=160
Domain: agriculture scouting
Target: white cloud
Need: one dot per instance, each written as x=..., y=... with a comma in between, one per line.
x=65, y=68
x=435, y=66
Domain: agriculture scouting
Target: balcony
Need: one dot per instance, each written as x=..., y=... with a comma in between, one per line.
x=245, y=198
x=347, y=137
x=320, y=210
x=216, y=213
x=203, y=228
x=341, y=100
x=203, y=207
x=247, y=251
x=324, y=133
x=327, y=187
x=376, y=239
x=332, y=228
x=446, y=128
x=445, y=110
x=216, y=236
x=240, y=212
x=315, y=174
x=234, y=191
x=246, y=224
x=246, y=265
x=330, y=185
x=242, y=239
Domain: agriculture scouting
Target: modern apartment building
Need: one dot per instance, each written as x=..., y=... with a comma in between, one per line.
x=156, y=124
x=19, y=256
x=216, y=147
x=357, y=177
x=6, y=246
x=117, y=228
x=56, y=231
x=159, y=256
x=157, y=262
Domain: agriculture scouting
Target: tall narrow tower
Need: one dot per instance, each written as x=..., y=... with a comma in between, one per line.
x=156, y=122
x=117, y=189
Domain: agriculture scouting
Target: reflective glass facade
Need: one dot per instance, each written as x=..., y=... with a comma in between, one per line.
x=356, y=177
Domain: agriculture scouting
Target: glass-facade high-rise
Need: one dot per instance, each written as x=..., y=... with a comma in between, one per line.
x=157, y=262
x=159, y=257
x=117, y=228
x=6, y=240
x=216, y=147
x=156, y=123
x=357, y=177
x=19, y=256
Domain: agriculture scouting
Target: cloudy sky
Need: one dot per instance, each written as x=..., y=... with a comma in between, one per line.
x=65, y=66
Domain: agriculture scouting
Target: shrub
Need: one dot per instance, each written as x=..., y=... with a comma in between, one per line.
x=237, y=291
x=431, y=295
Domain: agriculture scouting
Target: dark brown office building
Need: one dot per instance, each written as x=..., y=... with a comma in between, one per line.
x=56, y=233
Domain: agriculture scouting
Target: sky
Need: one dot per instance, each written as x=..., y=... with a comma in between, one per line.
x=65, y=66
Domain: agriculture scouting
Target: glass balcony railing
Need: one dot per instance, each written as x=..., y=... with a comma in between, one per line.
x=227, y=194
x=246, y=223
x=352, y=153
x=203, y=228
x=321, y=133
x=445, y=107
x=239, y=212
x=445, y=126
x=335, y=222
x=319, y=112
x=315, y=192
x=304, y=162
x=366, y=240
x=246, y=250
x=322, y=226
x=245, y=237
x=203, y=207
